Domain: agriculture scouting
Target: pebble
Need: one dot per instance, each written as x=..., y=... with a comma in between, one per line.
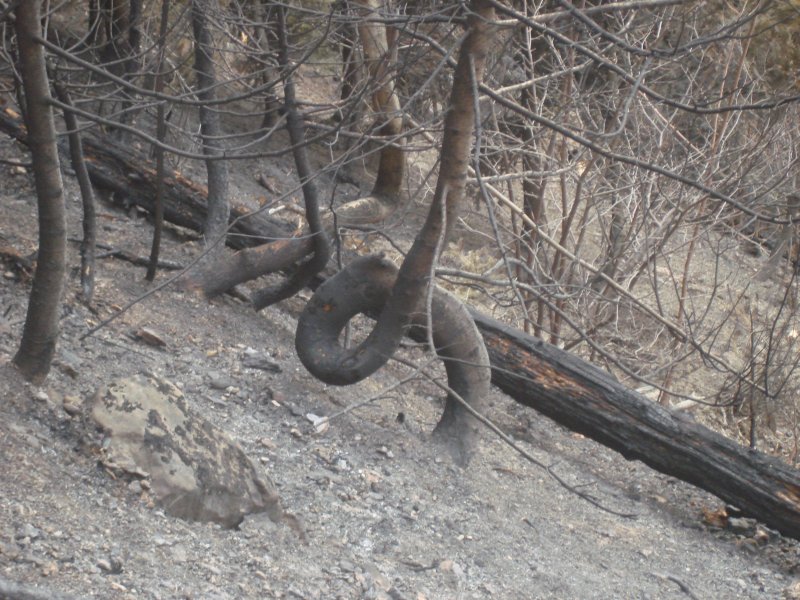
x=72, y=405
x=111, y=566
x=262, y=362
x=221, y=382
x=28, y=531
x=741, y=525
x=50, y=568
x=69, y=363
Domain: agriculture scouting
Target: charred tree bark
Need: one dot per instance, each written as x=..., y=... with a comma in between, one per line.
x=365, y=287
x=40, y=333
x=87, y=196
x=210, y=128
x=354, y=364
x=385, y=103
x=158, y=151
x=368, y=280
x=319, y=239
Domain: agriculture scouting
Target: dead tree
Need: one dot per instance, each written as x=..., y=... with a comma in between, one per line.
x=210, y=127
x=40, y=332
x=400, y=300
x=374, y=208
x=554, y=382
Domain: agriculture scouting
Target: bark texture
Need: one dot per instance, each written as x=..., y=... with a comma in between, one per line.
x=210, y=127
x=41, y=329
x=87, y=197
x=364, y=287
x=377, y=58
x=354, y=364
x=319, y=238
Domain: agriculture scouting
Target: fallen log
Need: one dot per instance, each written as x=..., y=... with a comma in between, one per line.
x=555, y=383
x=589, y=401
x=128, y=178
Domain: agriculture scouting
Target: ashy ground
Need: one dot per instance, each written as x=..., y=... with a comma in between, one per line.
x=386, y=512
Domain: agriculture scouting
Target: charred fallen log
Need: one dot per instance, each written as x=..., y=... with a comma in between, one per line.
x=587, y=400
x=128, y=178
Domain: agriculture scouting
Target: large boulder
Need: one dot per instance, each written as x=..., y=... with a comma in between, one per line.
x=196, y=471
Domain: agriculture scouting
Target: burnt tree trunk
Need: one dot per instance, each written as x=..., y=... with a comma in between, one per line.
x=41, y=329
x=210, y=127
x=89, y=222
x=319, y=239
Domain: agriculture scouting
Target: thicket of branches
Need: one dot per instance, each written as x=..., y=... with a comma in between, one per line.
x=626, y=154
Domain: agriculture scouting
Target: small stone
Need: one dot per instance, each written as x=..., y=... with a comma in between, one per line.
x=260, y=361
x=346, y=566
x=742, y=525
x=151, y=337
x=267, y=443
x=72, y=405
x=221, y=382
x=761, y=536
x=792, y=592
x=386, y=452
x=112, y=566
x=135, y=486
x=69, y=363
x=28, y=531
x=41, y=396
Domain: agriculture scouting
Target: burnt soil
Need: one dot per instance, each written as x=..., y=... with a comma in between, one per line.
x=386, y=512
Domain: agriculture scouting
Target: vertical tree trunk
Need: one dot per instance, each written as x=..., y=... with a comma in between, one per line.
x=210, y=130
x=158, y=151
x=41, y=324
x=377, y=57
x=87, y=196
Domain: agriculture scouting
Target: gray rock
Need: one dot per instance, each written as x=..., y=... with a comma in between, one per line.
x=260, y=361
x=742, y=525
x=28, y=531
x=221, y=382
x=197, y=472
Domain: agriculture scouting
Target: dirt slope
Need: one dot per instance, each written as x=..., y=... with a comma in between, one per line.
x=386, y=512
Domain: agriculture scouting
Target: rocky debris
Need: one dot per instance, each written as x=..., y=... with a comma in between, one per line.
x=15, y=591
x=253, y=359
x=149, y=336
x=196, y=472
